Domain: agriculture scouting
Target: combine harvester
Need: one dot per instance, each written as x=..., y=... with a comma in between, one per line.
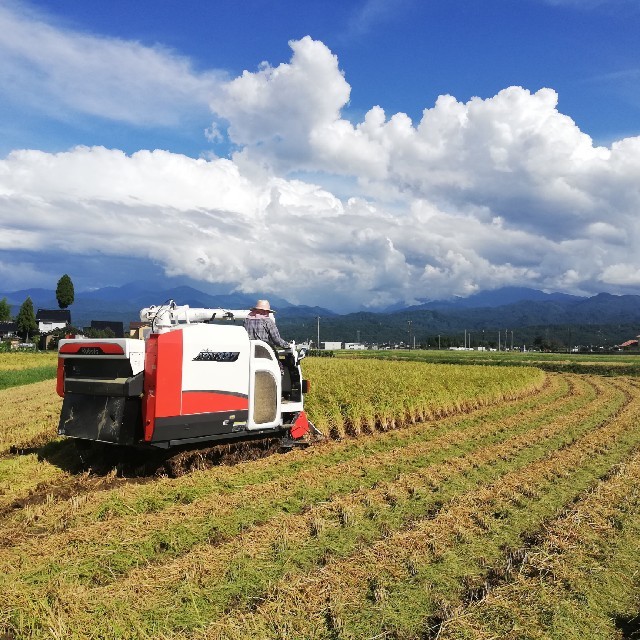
x=196, y=378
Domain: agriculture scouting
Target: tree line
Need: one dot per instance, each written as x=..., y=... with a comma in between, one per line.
x=26, y=323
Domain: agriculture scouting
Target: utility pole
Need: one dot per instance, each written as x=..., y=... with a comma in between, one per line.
x=318, y=319
x=438, y=342
x=358, y=334
x=409, y=323
x=498, y=340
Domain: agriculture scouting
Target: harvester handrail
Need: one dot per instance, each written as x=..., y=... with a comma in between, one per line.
x=168, y=315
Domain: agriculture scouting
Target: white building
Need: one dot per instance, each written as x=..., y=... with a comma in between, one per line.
x=50, y=319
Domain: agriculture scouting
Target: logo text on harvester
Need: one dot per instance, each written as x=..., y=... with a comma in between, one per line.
x=217, y=356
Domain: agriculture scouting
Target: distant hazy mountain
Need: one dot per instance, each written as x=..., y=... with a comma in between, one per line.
x=302, y=311
x=494, y=298
x=124, y=303
x=606, y=316
x=601, y=319
x=44, y=298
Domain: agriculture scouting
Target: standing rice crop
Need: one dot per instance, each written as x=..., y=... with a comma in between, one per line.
x=351, y=396
x=19, y=360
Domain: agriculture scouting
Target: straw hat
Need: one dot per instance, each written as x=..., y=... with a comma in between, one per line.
x=262, y=305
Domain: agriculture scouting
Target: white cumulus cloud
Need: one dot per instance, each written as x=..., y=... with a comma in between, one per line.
x=500, y=190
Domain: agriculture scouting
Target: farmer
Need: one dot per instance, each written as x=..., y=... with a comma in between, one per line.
x=260, y=325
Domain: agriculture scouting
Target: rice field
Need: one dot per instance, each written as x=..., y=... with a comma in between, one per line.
x=21, y=360
x=18, y=368
x=447, y=501
x=613, y=364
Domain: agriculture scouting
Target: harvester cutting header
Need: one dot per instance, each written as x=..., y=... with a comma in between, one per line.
x=196, y=377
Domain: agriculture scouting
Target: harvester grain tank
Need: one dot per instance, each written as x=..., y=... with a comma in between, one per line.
x=196, y=377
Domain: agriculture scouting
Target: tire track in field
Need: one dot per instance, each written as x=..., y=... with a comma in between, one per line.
x=345, y=589
x=143, y=585
x=83, y=479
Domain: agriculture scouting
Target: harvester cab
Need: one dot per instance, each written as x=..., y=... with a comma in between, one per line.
x=196, y=377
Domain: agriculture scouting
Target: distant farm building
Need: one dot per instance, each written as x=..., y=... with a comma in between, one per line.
x=8, y=330
x=50, y=319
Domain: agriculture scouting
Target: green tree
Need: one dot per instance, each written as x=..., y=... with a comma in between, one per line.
x=57, y=334
x=26, y=320
x=99, y=333
x=5, y=310
x=64, y=292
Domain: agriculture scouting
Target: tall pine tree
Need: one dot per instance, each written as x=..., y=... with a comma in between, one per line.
x=64, y=292
x=26, y=320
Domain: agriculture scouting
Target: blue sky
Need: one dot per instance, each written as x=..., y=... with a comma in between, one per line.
x=149, y=139
x=399, y=54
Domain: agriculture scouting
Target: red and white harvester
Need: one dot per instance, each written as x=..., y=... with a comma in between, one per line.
x=196, y=377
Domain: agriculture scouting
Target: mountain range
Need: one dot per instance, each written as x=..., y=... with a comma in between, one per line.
x=529, y=313
x=493, y=298
x=123, y=303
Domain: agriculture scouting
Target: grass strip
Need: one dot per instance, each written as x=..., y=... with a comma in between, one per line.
x=20, y=377
x=245, y=578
